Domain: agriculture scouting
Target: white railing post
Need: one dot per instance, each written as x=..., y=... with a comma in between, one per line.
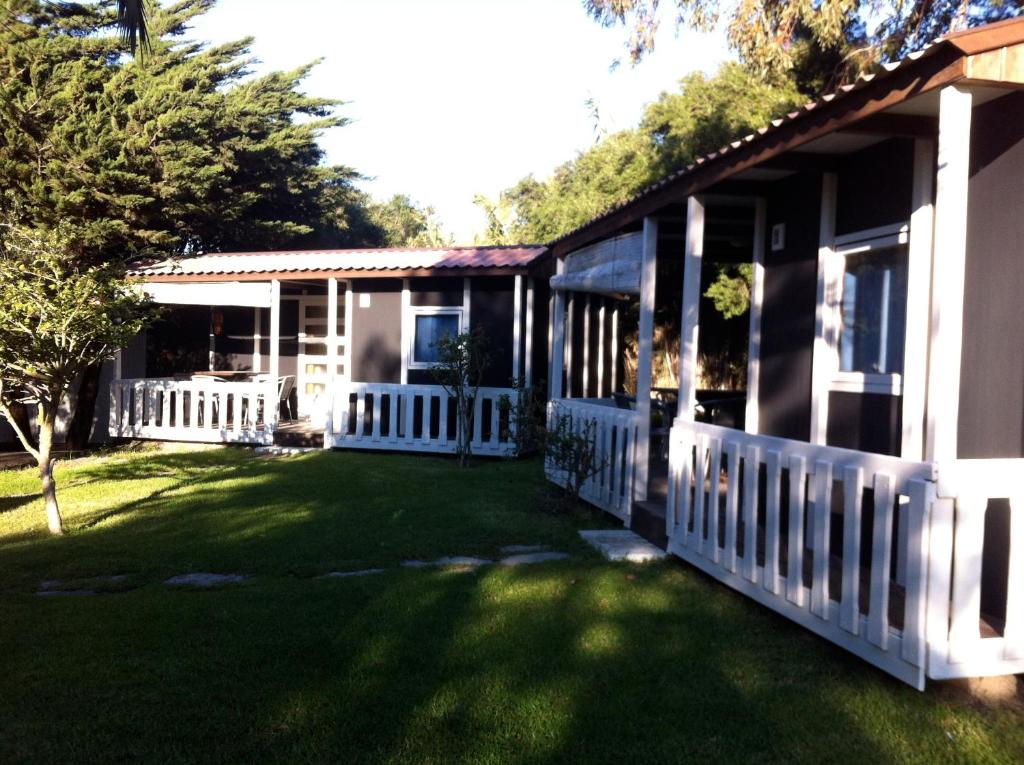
x=271, y=410
x=332, y=360
x=557, y=346
x=690, y=321
x=645, y=351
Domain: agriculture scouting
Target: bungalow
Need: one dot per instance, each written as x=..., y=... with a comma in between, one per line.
x=332, y=347
x=866, y=480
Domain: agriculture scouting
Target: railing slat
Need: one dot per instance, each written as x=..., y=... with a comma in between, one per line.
x=376, y=415
x=714, y=471
x=969, y=530
x=751, y=472
x=425, y=423
x=700, y=471
x=686, y=490
x=853, y=495
x=881, y=561
x=922, y=495
x=1013, y=632
x=822, y=509
x=797, y=503
x=732, y=504
x=773, y=468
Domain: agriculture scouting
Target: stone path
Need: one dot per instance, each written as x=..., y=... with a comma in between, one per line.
x=622, y=544
x=344, y=574
x=204, y=579
x=534, y=557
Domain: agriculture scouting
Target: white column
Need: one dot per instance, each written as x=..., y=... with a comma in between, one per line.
x=586, y=348
x=407, y=330
x=600, y=348
x=257, y=339
x=569, y=333
x=349, y=311
x=690, y=321
x=118, y=364
x=272, y=409
x=332, y=359
x=915, y=354
x=648, y=275
x=517, y=328
x=557, y=355
x=528, y=361
x=213, y=345
x=824, y=362
x=615, y=348
x=948, y=264
x=753, y=412
x=467, y=291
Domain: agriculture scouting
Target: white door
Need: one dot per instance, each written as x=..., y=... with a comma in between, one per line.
x=313, y=377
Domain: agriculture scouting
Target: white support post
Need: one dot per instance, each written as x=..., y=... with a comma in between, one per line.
x=586, y=347
x=118, y=364
x=257, y=339
x=407, y=330
x=557, y=365
x=615, y=348
x=948, y=263
x=272, y=409
x=332, y=359
x=824, y=361
x=600, y=348
x=349, y=311
x=752, y=416
x=915, y=355
x=645, y=350
x=690, y=322
x=467, y=291
x=569, y=333
x=517, y=328
x=528, y=361
x=213, y=345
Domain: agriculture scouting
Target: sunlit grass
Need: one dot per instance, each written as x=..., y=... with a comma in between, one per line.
x=571, y=661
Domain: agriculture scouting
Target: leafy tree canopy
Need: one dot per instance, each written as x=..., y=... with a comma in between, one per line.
x=403, y=223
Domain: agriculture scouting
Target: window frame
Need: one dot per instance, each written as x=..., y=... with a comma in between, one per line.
x=414, y=313
x=858, y=243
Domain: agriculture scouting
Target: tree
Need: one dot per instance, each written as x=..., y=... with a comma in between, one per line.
x=774, y=35
x=462, y=362
x=59, y=319
x=403, y=223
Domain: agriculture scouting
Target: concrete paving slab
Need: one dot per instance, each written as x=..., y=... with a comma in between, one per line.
x=623, y=545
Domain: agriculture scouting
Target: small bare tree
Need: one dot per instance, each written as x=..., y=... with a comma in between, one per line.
x=571, y=449
x=462, y=361
x=58, y=318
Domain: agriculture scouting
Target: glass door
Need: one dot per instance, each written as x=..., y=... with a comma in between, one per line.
x=313, y=374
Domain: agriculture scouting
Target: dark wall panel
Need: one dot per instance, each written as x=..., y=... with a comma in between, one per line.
x=492, y=309
x=874, y=186
x=436, y=291
x=992, y=373
x=869, y=422
x=541, y=296
x=377, y=331
x=787, y=319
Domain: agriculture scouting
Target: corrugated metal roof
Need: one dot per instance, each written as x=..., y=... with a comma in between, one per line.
x=960, y=40
x=313, y=261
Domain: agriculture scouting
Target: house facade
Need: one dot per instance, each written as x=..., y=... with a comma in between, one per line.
x=867, y=479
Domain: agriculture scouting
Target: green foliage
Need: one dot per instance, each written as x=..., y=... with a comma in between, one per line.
x=176, y=151
x=463, y=360
x=570, y=450
x=730, y=290
x=403, y=223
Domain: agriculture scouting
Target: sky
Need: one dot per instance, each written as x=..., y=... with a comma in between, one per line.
x=452, y=98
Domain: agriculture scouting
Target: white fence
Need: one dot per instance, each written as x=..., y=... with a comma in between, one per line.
x=613, y=435
x=209, y=410
x=835, y=540
x=418, y=418
x=975, y=647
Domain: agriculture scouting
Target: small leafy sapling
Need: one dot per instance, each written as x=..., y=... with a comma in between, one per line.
x=462, y=361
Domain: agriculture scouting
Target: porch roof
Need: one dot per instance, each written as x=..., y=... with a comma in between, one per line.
x=990, y=55
x=250, y=266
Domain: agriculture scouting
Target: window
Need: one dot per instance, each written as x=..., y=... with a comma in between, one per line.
x=874, y=311
x=429, y=327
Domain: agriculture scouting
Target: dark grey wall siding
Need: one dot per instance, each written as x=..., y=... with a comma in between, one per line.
x=787, y=319
x=491, y=308
x=377, y=331
x=869, y=422
x=440, y=291
x=874, y=186
x=541, y=318
x=992, y=373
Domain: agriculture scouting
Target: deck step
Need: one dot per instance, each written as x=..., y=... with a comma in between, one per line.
x=299, y=438
x=649, y=522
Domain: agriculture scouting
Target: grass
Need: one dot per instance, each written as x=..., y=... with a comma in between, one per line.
x=572, y=661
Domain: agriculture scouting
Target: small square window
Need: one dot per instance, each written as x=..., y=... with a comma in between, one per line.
x=428, y=330
x=874, y=311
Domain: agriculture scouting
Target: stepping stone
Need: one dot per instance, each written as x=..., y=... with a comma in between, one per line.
x=55, y=584
x=623, y=544
x=283, y=451
x=462, y=560
x=202, y=579
x=537, y=557
x=343, y=574
x=518, y=549
x=52, y=593
x=416, y=564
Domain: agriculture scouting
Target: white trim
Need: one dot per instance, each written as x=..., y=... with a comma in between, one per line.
x=275, y=354
x=862, y=382
x=752, y=415
x=528, y=349
x=645, y=351
x=570, y=310
x=422, y=310
x=257, y=339
x=517, y=330
x=212, y=351
x=875, y=243
x=690, y=320
x=406, y=332
x=615, y=348
x=824, y=359
x=467, y=291
x=332, y=351
x=227, y=293
x=948, y=263
x=880, y=232
x=600, y=347
x=915, y=344
x=349, y=311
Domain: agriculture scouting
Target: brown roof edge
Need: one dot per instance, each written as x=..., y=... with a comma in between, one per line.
x=315, y=275
x=943, y=63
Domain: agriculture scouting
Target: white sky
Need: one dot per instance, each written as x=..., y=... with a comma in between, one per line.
x=450, y=98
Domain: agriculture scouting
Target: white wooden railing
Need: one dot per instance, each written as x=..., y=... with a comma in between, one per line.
x=733, y=495
x=958, y=647
x=613, y=434
x=418, y=418
x=209, y=410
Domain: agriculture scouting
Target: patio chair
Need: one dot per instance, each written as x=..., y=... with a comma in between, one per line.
x=285, y=385
x=207, y=380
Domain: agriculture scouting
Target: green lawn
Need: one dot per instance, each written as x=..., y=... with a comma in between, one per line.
x=570, y=661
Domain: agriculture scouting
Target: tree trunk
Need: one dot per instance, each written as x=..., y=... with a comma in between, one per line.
x=53, y=519
x=85, y=408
